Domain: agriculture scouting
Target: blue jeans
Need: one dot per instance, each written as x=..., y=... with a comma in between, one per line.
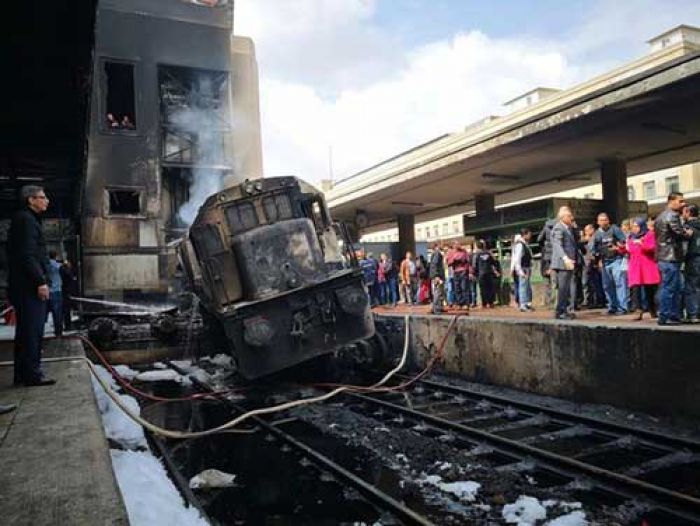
x=472, y=290
x=450, y=290
x=391, y=291
x=615, y=285
x=381, y=292
x=670, y=291
x=461, y=285
x=55, y=308
x=691, y=292
x=525, y=288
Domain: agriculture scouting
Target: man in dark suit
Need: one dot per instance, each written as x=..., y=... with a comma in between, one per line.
x=28, y=285
x=564, y=257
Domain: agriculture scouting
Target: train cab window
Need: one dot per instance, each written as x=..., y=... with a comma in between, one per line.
x=277, y=208
x=241, y=217
x=119, y=97
x=319, y=215
x=314, y=210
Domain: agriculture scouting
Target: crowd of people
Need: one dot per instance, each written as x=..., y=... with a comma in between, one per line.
x=454, y=276
x=644, y=265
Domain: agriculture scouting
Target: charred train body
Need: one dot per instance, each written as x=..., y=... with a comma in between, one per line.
x=264, y=259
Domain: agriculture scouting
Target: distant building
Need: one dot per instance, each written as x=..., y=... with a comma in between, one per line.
x=529, y=98
x=679, y=34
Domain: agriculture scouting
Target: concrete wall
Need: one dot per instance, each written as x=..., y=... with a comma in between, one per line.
x=248, y=160
x=646, y=369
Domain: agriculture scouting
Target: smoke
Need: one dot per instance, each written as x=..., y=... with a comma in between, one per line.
x=204, y=121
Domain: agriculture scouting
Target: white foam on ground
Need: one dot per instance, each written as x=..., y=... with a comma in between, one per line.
x=117, y=425
x=525, y=511
x=220, y=360
x=575, y=518
x=164, y=375
x=150, y=497
x=463, y=489
x=125, y=372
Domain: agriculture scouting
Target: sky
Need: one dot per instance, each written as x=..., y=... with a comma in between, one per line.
x=345, y=84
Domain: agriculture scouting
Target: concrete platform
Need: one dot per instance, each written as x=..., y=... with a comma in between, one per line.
x=596, y=317
x=595, y=358
x=54, y=457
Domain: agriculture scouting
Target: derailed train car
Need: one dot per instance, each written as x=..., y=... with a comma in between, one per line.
x=264, y=259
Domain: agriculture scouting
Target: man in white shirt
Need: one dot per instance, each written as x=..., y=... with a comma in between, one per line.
x=522, y=268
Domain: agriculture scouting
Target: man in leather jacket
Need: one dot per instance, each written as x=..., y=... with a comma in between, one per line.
x=692, y=266
x=670, y=235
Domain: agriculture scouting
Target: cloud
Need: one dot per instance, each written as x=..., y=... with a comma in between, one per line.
x=332, y=80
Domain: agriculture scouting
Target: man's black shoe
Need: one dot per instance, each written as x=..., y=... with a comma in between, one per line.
x=668, y=322
x=7, y=408
x=611, y=313
x=565, y=316
x=38, y=383
x=694, y=320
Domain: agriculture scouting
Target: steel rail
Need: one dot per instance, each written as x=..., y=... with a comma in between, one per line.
x=180, y=481
x=372, y=493
x=656, y=493
x=593, y=422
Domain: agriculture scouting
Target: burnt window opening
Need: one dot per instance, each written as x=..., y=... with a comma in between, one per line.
x=194, y=115
x=277, y=208
x=120, y=97
x=124, y=202
x=176, y=192
x=241, y=217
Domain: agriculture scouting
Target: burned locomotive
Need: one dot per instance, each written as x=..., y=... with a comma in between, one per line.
x=264, y=259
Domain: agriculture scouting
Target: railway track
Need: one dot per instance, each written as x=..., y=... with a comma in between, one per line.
x=303, y=461
x=654, y=474
x=631, y=463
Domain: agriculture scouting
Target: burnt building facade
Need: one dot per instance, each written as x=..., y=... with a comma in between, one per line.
x=161, y=137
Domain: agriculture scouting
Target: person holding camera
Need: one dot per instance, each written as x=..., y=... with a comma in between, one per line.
x=609, y=247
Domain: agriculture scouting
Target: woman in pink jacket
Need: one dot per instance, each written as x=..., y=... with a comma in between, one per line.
x=643, y=273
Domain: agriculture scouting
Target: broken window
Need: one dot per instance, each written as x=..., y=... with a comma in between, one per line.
x=277, y=208
x=124, y=202
x=176, y=192
x=194, y=115
x=120, y=97
x=241, y=217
